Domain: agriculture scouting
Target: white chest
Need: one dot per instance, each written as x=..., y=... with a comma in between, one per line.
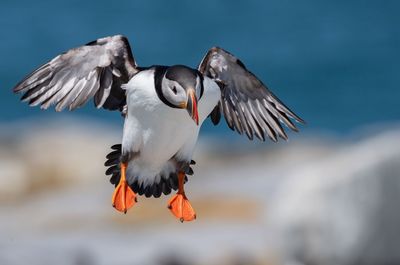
x=157, y=131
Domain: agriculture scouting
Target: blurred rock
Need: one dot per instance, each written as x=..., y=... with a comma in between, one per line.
x=52, y=155
x=343, y=208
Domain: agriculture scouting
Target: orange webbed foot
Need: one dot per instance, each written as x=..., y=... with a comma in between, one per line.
x=123, y=197
x=181, y=207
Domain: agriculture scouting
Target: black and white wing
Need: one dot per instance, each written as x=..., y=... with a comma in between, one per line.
x=247, y=104
x=71, y=79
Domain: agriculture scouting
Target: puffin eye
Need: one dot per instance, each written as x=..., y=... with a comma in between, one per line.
x=174, y=90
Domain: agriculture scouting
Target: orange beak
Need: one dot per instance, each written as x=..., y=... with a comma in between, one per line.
x=191, y=105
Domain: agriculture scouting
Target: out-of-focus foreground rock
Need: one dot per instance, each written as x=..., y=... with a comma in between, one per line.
x=303, y=202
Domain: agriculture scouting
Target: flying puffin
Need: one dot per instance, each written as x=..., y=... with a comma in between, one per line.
x=163, y=109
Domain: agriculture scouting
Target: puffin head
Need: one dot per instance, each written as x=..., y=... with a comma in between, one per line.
x=182, y=87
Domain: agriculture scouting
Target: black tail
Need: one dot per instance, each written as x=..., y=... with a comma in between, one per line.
x=166, y=184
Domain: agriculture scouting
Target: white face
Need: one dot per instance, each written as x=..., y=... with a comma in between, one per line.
x=175, y=93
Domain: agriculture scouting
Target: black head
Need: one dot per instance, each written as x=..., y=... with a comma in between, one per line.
x=185, y=76
x=181, y=87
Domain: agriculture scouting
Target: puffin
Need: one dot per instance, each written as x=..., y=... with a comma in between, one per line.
x=163, y=108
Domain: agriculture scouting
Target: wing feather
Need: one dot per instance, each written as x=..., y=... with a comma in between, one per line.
x=106, y=82
x=246, y=103
x=71, y=79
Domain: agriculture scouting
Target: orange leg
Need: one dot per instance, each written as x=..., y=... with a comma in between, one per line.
x=123, y=197
x=179, y=203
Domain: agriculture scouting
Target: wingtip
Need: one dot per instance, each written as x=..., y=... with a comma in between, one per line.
x=301, y=121
x=19, y=88
x=16, y=90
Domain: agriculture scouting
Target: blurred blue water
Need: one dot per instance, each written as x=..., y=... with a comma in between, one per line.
x=335, y=63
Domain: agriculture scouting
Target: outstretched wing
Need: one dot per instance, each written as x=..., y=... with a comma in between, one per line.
x=247, y=104
x=96, y=69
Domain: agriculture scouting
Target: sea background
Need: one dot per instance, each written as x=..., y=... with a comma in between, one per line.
x=327, y=196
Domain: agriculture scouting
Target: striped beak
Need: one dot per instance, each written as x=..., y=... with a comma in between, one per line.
x=191, y=105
